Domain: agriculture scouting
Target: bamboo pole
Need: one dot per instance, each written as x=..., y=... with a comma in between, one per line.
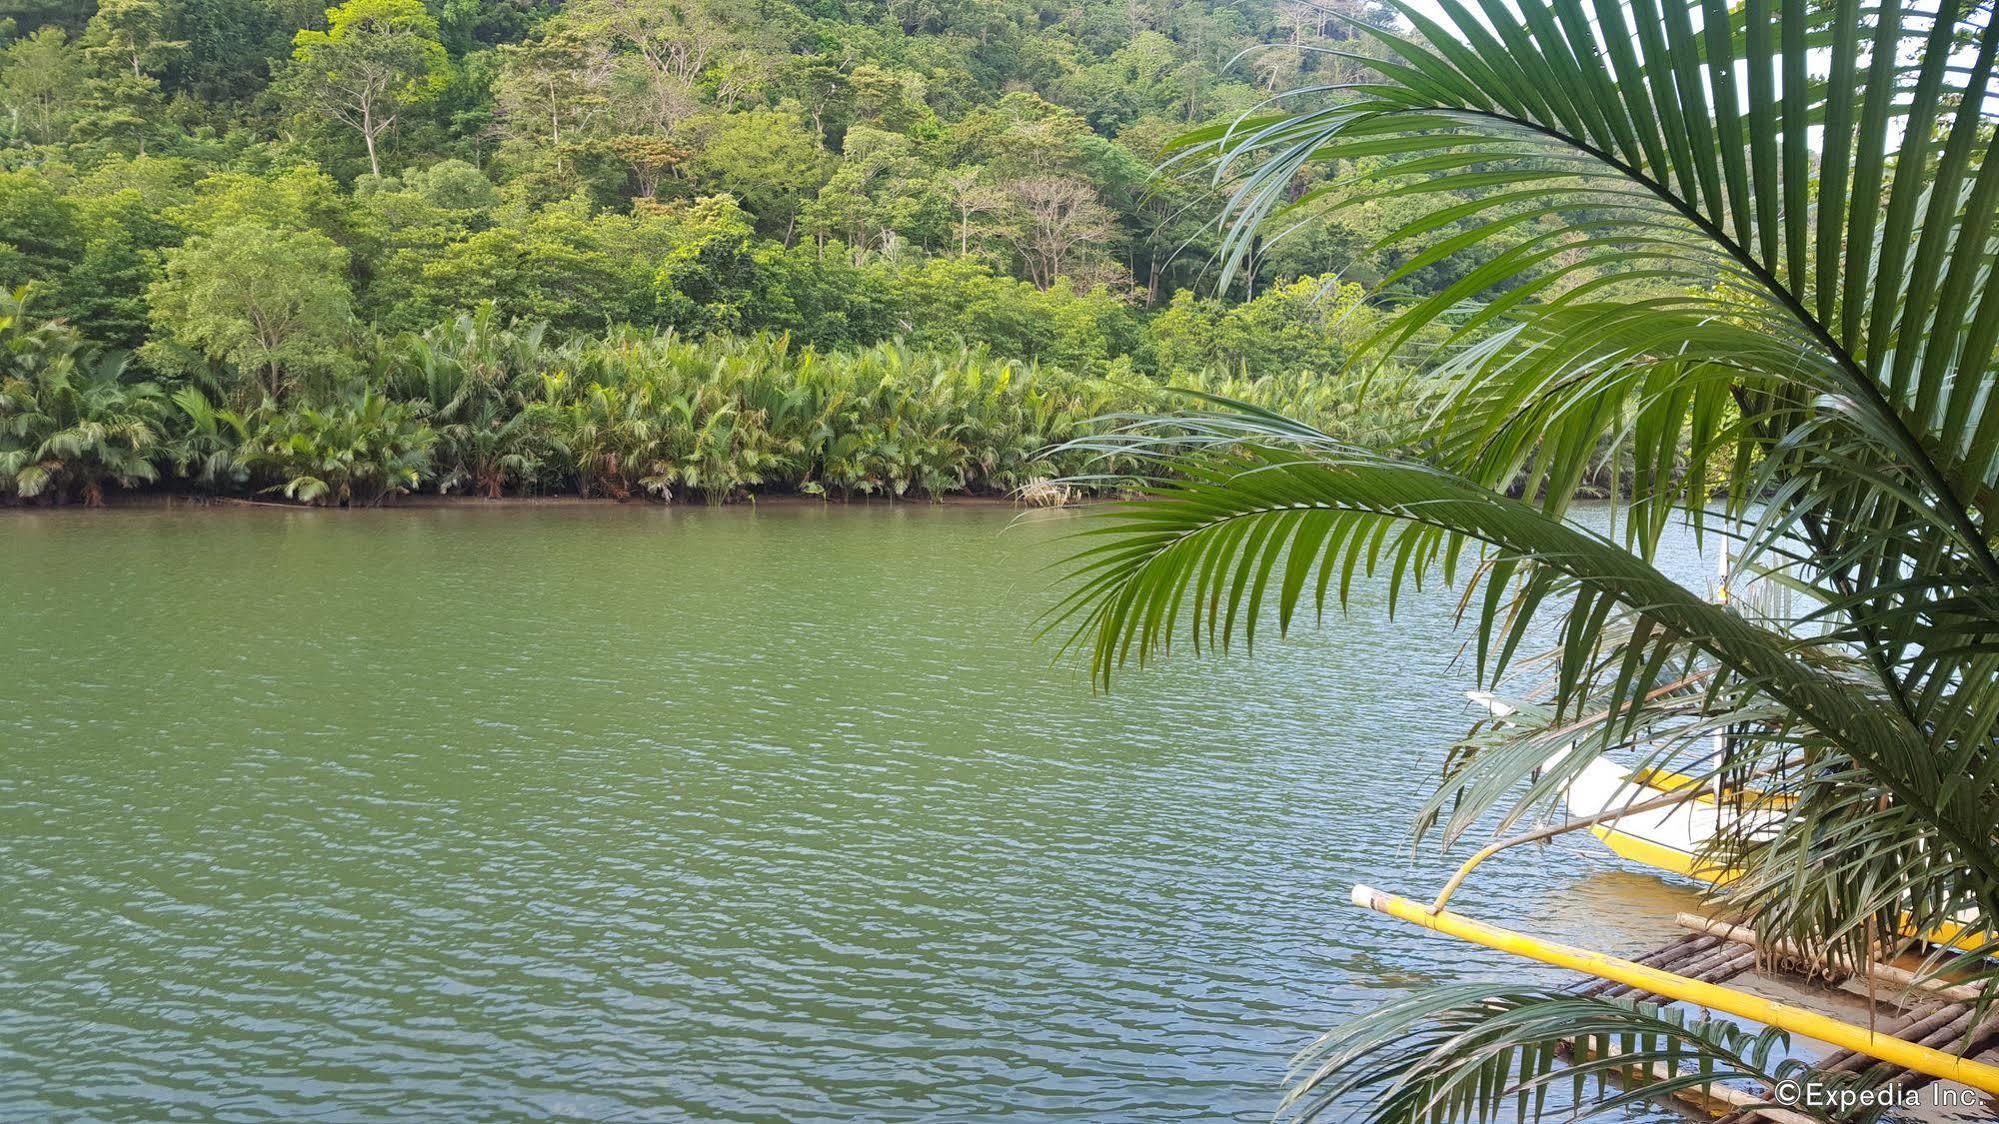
x=1724, y=964
x=1914, y=1026
x=1976, y=1039
x=1797, y=1020
x=1617, y=813
x=1686, y=950
x=1887, y=974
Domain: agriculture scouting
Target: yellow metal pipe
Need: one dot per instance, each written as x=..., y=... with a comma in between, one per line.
x=1797, y=1020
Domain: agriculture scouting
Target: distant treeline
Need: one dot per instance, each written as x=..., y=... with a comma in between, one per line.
x=858, y=246
x=454, y=151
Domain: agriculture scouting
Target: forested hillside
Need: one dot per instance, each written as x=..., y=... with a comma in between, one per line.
x=260, y=217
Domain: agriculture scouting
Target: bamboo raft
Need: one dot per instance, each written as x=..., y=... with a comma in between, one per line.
x=1938, y=1037
x=1715, y=952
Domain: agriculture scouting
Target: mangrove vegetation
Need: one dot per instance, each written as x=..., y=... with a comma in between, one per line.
x=482, y=408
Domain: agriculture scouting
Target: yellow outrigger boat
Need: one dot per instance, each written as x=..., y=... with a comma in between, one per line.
x=1650, y=817
x=1671, y=838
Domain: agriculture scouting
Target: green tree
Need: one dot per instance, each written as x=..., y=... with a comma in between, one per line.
x=104, y=293
x=40, y=240
x=297, y=197
x=41, y=84
x=650, y=159
x=876, y=198
x=1312, y=324
x=125, y=218
x=132, y=34
x=453, y=185
x=665, y=48
x=560, y=263
x=766, y=158
x=824, y=301
x=119, y=113
x=819, y=85
x=1021, y=135
x=232, y=45
x=418, y=218
x=272, y=303
x=468, y=25
x=706, y=280
x=1172, y=219
x=961, y=301
x=556, y=88
x=1144, y=75
x=375, y=58
x=889, y=99
x=1836, y=383
x=978, y=206
x=122, y=107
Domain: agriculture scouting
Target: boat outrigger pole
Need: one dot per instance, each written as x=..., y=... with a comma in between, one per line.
x=1669, y=800
x=1810, y=1024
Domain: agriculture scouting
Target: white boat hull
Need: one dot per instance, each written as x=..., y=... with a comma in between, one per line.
x=1675, y=838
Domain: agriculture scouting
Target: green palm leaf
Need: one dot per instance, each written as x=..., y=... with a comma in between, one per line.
x=1480, y=1052
x=1750, y=247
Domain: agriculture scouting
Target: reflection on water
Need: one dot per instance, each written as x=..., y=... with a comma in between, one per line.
x=610, y=813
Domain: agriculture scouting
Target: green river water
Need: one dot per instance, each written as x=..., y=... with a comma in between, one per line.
x=626, y=813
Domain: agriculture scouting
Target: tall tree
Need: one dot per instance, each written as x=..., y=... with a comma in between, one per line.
x=272, y=303
x=674, y=44
x=651, y=159
x=873, y=197
x=1060, y=217
x=41, y=83
x=766, y=158
x=375, y=58
x=971, y=194
x=556, y=87
x=39, y=236
x=132, y=34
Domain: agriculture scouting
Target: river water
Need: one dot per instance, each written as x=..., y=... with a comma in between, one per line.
x=628, y=813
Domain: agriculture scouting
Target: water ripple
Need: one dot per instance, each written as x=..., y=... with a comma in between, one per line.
x=621, y=814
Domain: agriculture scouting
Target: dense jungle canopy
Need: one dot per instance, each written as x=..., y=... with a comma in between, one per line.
x=274, y=215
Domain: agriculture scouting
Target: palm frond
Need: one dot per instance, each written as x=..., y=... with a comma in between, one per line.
x=1746, y=251
x=1485, y=1052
